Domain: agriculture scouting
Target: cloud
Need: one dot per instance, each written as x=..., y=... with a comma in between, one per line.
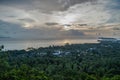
x=57, y=18
x=85, y=13
x=10, y=29
x=73, y=32
x=26, y=20
x=51, y=23
x=116, y=28
x=43, y=5
x=15, y=31
x=42, y=11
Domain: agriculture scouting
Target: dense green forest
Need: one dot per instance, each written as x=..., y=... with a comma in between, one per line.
x=100, y=61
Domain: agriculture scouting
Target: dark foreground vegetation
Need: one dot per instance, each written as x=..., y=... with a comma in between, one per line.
x=99, y=61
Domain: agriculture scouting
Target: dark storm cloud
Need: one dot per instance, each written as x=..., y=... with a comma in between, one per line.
x=14, y=1
x=82, y=24
x=43, y=5
x=114, y=10
x=115, y=5
x=51, y=23
x=74, y=33
x=9, y=26
x=10, y=29
x=15, y=31
x=26, y=20
x=116, y=28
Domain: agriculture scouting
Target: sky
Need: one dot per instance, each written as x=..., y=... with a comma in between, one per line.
x=59, y=19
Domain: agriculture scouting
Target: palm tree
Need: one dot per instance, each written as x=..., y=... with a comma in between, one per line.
x=1, y=47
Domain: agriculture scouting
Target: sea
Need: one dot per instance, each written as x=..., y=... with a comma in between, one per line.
x=24, y=44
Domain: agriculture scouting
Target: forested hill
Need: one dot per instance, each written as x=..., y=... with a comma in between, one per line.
x=100, y=61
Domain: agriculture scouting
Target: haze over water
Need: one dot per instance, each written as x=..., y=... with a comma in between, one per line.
x=24, y=44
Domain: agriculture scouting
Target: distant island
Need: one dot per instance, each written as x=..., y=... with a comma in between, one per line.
x=107, y=39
